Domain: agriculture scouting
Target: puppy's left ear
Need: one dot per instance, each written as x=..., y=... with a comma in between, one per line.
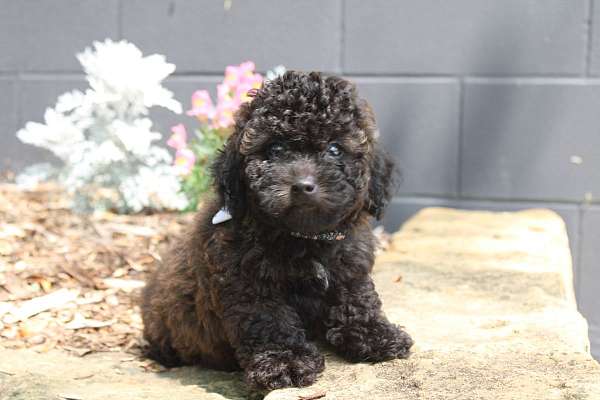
x=381, y=182
x=381, y=166
x=227, y=170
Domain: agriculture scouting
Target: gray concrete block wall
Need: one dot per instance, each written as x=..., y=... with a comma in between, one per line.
x=8, y=120
x=43, y=35
x=486, y=104
x=531, y=139
x=465, y=37
x=202, y=37
x=590, y=295
x=419, y=122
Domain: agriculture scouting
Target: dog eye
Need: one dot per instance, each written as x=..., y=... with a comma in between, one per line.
x=276, y=149
x=334, y=150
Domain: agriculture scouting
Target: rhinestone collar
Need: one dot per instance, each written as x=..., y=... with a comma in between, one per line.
x=328, y=236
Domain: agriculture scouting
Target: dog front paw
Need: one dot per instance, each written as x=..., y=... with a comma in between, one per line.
x=378, y=341
x=275, y=369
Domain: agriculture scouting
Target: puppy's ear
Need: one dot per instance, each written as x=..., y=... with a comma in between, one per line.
x=227, y=170
x=381, y=166
x=381, y=182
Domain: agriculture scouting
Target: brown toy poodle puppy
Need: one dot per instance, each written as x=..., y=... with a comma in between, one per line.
x=283, y=255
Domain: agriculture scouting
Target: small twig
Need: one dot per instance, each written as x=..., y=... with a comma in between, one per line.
x=50, y=301
x=83, y=376
x=126, y=285
x=314, y=396
x=130, y=229
x=7, y=373
x=69, y=397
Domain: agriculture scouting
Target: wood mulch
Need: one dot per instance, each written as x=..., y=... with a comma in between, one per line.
x=73, y=281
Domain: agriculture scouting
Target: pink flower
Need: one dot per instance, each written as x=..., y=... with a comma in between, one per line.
x=202, y=106
x=231, y=93
x=227, y=105
x=253, y=82
x=224, y=118
x=178, y=139
x=236, y=74
x=246, y=69
x=233, y=75
x=225, y=96
x=242, y=75
x=184, y=160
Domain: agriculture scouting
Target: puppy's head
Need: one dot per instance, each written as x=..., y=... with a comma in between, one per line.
x=304, y=156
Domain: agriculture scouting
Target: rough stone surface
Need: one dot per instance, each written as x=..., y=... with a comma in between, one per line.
x=488, y=298
x=403, y=208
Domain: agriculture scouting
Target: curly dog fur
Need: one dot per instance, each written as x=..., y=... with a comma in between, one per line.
x=251, y=292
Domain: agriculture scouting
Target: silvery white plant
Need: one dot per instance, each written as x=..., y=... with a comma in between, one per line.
x=275, y=72
x=103, y=135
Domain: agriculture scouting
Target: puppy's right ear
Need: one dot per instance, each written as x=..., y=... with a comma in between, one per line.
x=227, y=170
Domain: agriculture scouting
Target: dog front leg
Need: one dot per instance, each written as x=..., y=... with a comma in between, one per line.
x=357, y=328
x=271, y=345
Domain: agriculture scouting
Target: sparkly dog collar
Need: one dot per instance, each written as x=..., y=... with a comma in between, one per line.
x=330, y=236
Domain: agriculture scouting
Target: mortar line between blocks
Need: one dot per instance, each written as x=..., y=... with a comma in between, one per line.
x=580, y=234
x=589, y=38
x=18, y=84
x=342, y=43
x=461, y=118
x=120, y=19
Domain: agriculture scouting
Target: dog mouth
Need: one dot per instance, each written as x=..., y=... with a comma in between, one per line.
x=309, y=218
x=304, y=205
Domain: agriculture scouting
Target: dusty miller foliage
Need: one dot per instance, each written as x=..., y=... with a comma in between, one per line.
x=103, y=135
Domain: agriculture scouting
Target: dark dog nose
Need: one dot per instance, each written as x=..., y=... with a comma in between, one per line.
x=305, y=186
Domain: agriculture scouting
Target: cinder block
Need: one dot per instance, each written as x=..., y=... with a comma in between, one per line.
x=202, y=36
x=419, y=124
x=52, y=32
x=589, y=282
x=531, y=139
x=402, y=208
x=465, y=36
x=8, y=124
x=10, y=30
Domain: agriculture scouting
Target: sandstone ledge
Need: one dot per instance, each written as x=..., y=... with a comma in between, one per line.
x=488, y=298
